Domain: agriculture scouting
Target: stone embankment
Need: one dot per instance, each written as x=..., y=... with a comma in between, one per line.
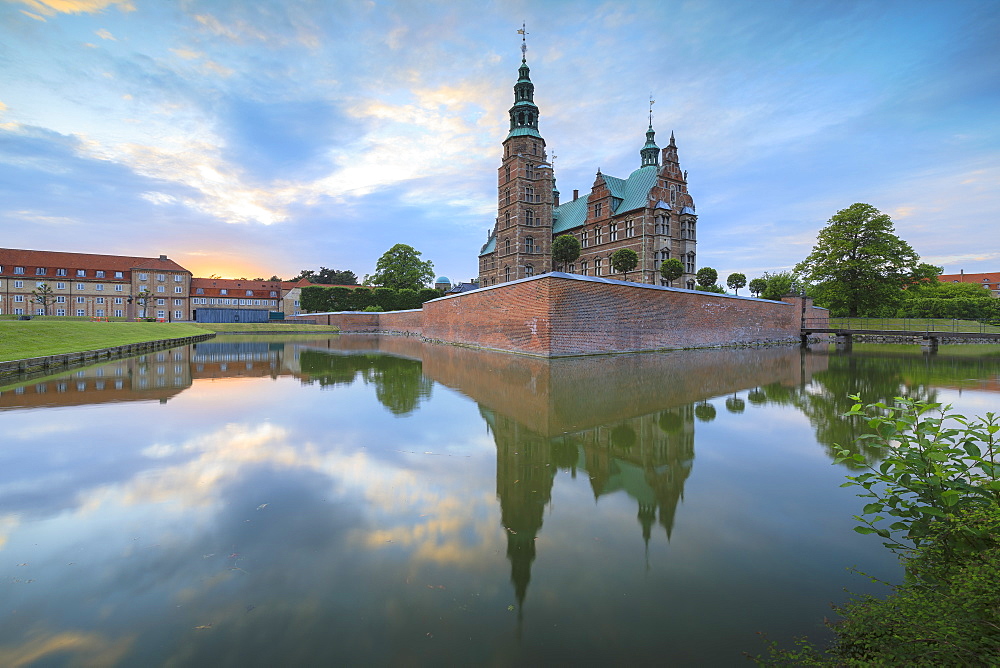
x=53, y=363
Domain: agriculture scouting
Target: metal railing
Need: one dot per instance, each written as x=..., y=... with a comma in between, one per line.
x=922, y=325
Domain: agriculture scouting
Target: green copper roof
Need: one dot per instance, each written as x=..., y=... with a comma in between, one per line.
x=635, y=194
x=524, y=131
x=569, y=215
x=490, y=246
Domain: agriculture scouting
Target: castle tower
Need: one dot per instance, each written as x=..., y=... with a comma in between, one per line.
x=520, y=243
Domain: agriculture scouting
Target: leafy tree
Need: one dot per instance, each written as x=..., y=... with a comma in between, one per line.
x=624, y=260
x=757, y=286
x=706, y=277
x=565, y=249
x=718, y=289
x=736, y=281
x=858, y=266
x=43, y=295
x=671, y=270
x=326, y=276
x=401, y=268
x=777, y=285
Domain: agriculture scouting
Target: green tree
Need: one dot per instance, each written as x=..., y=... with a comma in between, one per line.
x=706, y=277
x=757, y=286
x=858, y=265
x=671, y=270
x=327, y=276
x=401, y=268
x=778, y=285
x=624, y=260
x=736, y=281
x=565, y=249
x=43, y=295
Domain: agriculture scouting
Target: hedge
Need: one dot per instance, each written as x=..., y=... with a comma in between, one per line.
x=317, y=299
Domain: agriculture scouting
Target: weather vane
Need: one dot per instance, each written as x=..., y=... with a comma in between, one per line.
x=651, y=103
x=524, y=45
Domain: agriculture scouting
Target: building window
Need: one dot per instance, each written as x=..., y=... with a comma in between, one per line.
x=161, y=277
x=119, y=274
x=119, y=288
x=19, y=298
x=80, y=313
x=99, y=286
x=629, y=229
x=160, y=302
x=60, y=311
x=178, y=278
x=60, y=272
x=81, y=273
x=100, y=300
x=249, y=293
x=689, y=263
x=39, y=271
x=597, y=266
x=143, y=277
x=18, y=284
x=99, y=274
x=507, y=173
x=161, y=314
x=529, y=245
x=506, y=274
x=118, y=300
x=506, y=196
x=39, y=284
x=178, y=315
x=273, y=294
x=160, y=288
x=119, y=313
x=584, y=239
x=529, y=217
x=61, y=299
x=529, y=194
x=571, y=268
x=199, y=291
x=597, y=209
x=223, y=291
x=690, y=284
x=80, y=286
x=506, y=246
x=39, y=311
x=178, y=302
x=598, y=233
x=81, y=300
x=18, y=270
x=613, y=232
x=529, y=270
x=178, y=289
x=60, y=286
x=99, y=313
x=583, y=267
x=19, y=311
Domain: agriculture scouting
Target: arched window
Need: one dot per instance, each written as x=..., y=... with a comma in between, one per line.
x=529, y=270
x=506, y=246
x=507, y=215
x=690, y=284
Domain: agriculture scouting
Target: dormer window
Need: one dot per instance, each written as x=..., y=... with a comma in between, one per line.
x=223, y=291
x=249, y=293
x=39, y=271
x=60, y=272
x=81, y=273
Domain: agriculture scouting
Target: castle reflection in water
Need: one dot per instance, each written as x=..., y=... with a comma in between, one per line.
x=627, y=422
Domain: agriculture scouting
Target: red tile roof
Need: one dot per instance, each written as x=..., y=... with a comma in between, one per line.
x=52, y=260
x=235, y=287
x=991, y=277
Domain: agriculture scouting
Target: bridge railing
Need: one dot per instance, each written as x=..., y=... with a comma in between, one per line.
x=904, y=325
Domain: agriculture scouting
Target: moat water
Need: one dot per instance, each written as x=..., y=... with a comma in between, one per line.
x=360, y=500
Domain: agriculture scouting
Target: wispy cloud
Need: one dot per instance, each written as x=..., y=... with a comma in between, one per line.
x=53, y=7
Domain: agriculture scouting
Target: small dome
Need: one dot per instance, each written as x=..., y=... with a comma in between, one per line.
x=442, y=279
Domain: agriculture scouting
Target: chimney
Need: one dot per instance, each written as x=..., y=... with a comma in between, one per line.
x=163, y=257
x=576, y=194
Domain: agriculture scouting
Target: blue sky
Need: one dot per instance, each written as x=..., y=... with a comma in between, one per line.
x=259, y=138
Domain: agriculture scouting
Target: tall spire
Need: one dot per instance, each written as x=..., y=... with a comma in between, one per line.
x=650, y=152
x=524, y=113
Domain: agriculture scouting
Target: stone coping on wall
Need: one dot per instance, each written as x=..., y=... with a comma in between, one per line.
x=49, y=363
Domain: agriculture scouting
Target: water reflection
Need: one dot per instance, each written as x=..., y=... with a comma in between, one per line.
x=244, y=502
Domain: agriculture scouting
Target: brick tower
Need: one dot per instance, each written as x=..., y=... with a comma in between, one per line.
x=520, y=243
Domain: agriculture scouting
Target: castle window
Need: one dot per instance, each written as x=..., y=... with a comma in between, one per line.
x=583, y=267
x=507, y=214
x=506, y=195
x=529, y=172
x=597, y=236
x=506, y=274
x=529, y=245
x=691, y=229
x=529, y=194
x=584, y=239
x=690, y=284
x=689, y=263
x=572, y=269
x=506, y=246
x=529, y=217
x=597, y=210
x=597, y=266
x=629, y=228
x=529, y=270
x=508, y=174
x=613, y=232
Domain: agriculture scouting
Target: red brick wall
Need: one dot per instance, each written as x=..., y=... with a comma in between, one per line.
x=566, y=314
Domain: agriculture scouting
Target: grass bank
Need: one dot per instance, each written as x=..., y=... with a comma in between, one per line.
x=40, y=337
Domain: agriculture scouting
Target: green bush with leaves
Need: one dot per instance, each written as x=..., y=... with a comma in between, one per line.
x=938, y=482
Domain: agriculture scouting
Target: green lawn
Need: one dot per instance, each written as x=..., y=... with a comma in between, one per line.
x=915, y=324
x=38, y=337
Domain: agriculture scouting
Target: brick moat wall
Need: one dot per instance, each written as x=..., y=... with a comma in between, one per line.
x=566, y=314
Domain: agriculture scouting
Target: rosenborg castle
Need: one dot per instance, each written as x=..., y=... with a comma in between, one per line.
x=108, y=286
x=650, y=211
